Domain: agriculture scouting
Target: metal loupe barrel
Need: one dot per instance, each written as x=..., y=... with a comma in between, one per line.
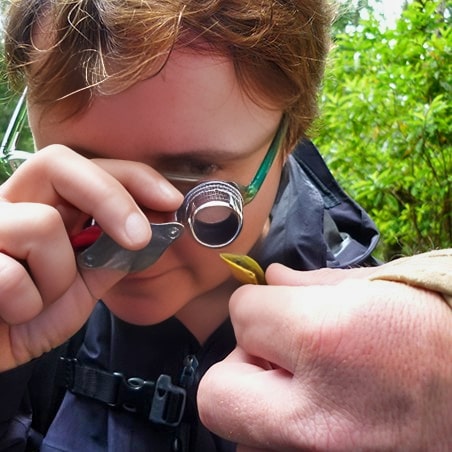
x=214, y=212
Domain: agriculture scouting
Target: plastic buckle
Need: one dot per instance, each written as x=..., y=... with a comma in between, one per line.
x=134, y=394
x=168, y=403
x=160, y=402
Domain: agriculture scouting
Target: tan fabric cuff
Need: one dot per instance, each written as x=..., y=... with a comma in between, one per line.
x=432, y=271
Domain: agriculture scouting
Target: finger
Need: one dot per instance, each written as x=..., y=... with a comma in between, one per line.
x=56, y=175
x=234, y=390
x=278, y=274
x=61, y=319
x=20, y=300
x=148, y=187
x=35, y=235
x=255, y=319
x=297, y=319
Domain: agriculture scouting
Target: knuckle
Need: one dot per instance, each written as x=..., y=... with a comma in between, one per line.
x=20, y=300
x=28, y=226
x=51, y=218
x=44, y=219
x=12, y=275
x=52, y=153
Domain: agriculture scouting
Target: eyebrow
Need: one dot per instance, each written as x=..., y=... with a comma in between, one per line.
x=193, y=154
x=190, y=157
x=197, y=157
x=202, y=155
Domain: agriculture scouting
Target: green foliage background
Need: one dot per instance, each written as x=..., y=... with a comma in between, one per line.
x=385, y=125
x=385, y=122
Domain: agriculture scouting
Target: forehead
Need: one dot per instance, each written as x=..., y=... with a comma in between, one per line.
x=195, y=100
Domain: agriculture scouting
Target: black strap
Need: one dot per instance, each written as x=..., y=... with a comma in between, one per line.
x=46, y=394
x=160, y=402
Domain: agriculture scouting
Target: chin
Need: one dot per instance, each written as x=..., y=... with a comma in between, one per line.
x=142, y=312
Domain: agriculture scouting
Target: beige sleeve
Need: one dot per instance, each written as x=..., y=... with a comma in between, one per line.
x=432, y=271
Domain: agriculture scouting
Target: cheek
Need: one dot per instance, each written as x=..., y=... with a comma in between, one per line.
x=204, y=264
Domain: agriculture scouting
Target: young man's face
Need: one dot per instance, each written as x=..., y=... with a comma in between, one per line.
x=191, y=117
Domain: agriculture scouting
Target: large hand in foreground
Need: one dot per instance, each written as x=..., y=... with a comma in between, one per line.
x=328, y=360
x=44, y=297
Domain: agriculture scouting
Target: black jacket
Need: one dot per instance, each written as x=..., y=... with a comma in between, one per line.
x=314, y=224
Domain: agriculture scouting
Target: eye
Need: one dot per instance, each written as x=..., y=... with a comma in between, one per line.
x=197, y=168
x=190, y=168
x=186, y=173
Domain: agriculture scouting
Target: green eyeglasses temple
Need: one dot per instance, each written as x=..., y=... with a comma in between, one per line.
x=250, y=191
x=8, y=150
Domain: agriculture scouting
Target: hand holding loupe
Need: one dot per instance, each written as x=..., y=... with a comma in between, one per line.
x=212, y=210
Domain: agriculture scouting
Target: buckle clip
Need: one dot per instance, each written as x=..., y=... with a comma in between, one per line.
x=168, y=403
x=133, y=394
x=160, y=402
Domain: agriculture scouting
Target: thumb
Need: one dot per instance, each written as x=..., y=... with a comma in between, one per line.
x=280, y=275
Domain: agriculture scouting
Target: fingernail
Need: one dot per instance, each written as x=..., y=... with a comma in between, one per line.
x=137, y=228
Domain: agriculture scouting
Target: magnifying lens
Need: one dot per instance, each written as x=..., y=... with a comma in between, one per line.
x=212, y=210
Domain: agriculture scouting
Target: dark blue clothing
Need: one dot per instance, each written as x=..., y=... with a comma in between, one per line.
x=313, y=224
x=147, y=352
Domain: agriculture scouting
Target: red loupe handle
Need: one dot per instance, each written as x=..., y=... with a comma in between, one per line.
x=85, y=238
